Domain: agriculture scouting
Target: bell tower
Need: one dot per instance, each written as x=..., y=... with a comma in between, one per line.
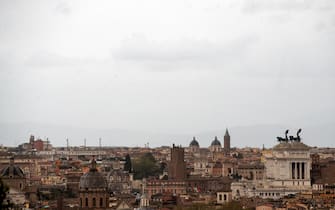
x=226, y=142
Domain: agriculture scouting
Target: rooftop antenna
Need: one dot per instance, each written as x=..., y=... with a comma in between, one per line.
x=47, y=143
x=100, y=148
x=67, y=144
x=84, y=143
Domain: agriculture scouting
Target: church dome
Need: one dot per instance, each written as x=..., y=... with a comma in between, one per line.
x=92, y=179
x=12, y=171
x=194, y=143
x=216, y=142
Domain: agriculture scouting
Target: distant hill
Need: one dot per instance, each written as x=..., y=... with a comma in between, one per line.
x=241, y=136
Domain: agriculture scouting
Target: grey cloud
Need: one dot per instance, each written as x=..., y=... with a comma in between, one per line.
x=63, y=7
x=255, y=6
x=204, y=52
x=320, y=26
x=7, y=62
x=333, y=20
x=46, y=59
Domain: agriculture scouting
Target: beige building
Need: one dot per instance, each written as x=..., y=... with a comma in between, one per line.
x=158, y=186
x=223, y=197
x=289, y=165
x=253, y=171
x=287, y=171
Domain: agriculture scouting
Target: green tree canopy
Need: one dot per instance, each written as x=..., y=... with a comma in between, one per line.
x=145, y=166
x=127, y=165
x=233, y=205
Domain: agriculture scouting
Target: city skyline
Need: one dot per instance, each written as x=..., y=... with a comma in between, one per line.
x=261, y=136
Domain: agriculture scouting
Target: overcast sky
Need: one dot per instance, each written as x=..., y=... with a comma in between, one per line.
x=167, y=66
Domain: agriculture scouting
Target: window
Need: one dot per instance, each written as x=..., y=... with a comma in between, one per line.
x=293, y=171
x=94, y=202
x=81, y=202
x=224, y=197
x=220, y=197
x=101, y=202
x=86, y=202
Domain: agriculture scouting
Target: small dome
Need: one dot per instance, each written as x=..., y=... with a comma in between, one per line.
x=93, y=179
x=216, y=142
x=194, y=143
x=12, y=171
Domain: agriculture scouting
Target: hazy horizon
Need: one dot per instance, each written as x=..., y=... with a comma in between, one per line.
x=175, y=69
x=241, y=136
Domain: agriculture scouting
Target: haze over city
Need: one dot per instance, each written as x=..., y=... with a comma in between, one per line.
x=133, y=72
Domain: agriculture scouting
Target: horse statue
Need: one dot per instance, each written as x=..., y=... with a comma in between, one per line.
x=281, y=139
x=298, y=136
x=292, y=138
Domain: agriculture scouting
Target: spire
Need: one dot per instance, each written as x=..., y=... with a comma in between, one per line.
x=194, y=138
x=216, y=138
x=227, y=133
x=11, y=161
x=93, y=165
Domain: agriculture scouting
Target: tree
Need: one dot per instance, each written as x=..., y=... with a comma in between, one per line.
x=233, y=205
x=145, y=166
x=3, y=194
x=127, y=165
x=162, y=167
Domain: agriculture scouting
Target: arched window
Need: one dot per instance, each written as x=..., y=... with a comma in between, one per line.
x=94, y=202
x=81, y=202
x=101, y=202
x=86, y=202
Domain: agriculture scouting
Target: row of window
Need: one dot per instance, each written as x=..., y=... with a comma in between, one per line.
x=94, y=202
x=164, y=190
x=165, y=183
x=298, y=170
x=269, y=194
x=224, y=197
